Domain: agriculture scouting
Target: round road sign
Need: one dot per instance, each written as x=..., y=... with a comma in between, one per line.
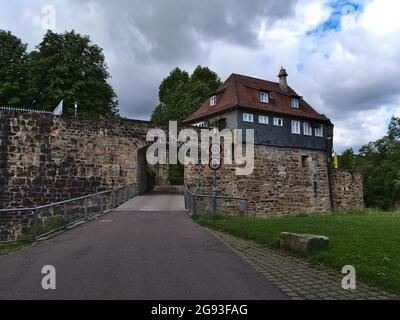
x=215, y=164
x=215, y=149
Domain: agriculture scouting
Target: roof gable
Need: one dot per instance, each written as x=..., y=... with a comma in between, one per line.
x=240, y=91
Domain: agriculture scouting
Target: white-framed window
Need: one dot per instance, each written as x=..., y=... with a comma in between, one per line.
x=200, y=124
x=263, y=120
x=295, y=103
x=296, y=127
x=307, y=129
x=264, y=97
x=213, y=101
x=278, y=122
x=319, y=132
x=248, y=117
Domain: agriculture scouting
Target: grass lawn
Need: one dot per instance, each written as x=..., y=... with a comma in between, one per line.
x=51, y=224
x=7, y=247
x=369, y=240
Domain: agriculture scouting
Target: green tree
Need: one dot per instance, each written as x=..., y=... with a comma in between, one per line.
x=70, y=67
x=176, y=174
x=181, y=95
x=13, y=70
x=347, y=160
x=379, y=162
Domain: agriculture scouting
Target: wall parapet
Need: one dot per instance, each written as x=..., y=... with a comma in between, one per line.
x=347, y=189
x=48, y=159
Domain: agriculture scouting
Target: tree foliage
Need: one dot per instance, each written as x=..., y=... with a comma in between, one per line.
x=13, y=70
x=181, y=95
x=68, y=66
x=176, y=174
x=347, y=160
x=380, y=163
x=65, y=66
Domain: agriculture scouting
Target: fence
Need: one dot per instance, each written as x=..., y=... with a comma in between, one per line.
x=33, y=223
x=18, y=109
x=197, y=203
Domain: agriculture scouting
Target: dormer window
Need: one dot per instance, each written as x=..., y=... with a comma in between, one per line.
x=213, y=101
x=264, y=97
x=200, y=124
x=295, y=103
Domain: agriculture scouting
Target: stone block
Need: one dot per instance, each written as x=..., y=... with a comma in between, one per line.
x=303, y=243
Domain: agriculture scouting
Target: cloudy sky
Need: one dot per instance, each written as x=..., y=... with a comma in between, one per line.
x=342, y=56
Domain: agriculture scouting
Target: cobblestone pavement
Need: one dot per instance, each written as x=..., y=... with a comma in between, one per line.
x=298, y=278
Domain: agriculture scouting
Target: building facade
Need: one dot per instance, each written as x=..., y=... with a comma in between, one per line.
x=293, y=147
x=278, y=115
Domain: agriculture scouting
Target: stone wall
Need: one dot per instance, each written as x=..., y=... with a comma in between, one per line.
x=46, y=159
x=347, y=189
x=284, y=181
x=3, y=160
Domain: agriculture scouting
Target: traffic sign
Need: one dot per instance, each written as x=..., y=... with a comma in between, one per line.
x=215, y=164
x=215, y=149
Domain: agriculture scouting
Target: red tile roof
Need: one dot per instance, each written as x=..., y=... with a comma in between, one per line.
x=240, y=91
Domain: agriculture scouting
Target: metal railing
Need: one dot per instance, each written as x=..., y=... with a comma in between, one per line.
x=200, y=203
x=19, y=109
x=40, y=221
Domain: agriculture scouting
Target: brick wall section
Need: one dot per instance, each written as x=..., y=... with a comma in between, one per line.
x=347, y=189
x=279, y=185
x=47, y=159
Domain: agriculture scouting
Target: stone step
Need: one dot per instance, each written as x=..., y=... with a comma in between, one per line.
x=168, y=189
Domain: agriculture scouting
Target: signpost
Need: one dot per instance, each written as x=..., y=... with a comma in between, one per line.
x=215, y=164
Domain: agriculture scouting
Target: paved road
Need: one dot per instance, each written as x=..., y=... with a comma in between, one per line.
x=147, y=249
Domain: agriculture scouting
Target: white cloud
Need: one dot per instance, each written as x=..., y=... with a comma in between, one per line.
x=363, y=126
x=381, y=17
x=315, y=13
x=351, y=72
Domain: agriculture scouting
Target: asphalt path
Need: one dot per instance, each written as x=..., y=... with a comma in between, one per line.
x=147, y=249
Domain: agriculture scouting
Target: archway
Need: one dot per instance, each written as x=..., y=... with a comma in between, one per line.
x=145, y=174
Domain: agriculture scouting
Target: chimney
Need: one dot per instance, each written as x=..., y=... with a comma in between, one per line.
x=282, y=79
